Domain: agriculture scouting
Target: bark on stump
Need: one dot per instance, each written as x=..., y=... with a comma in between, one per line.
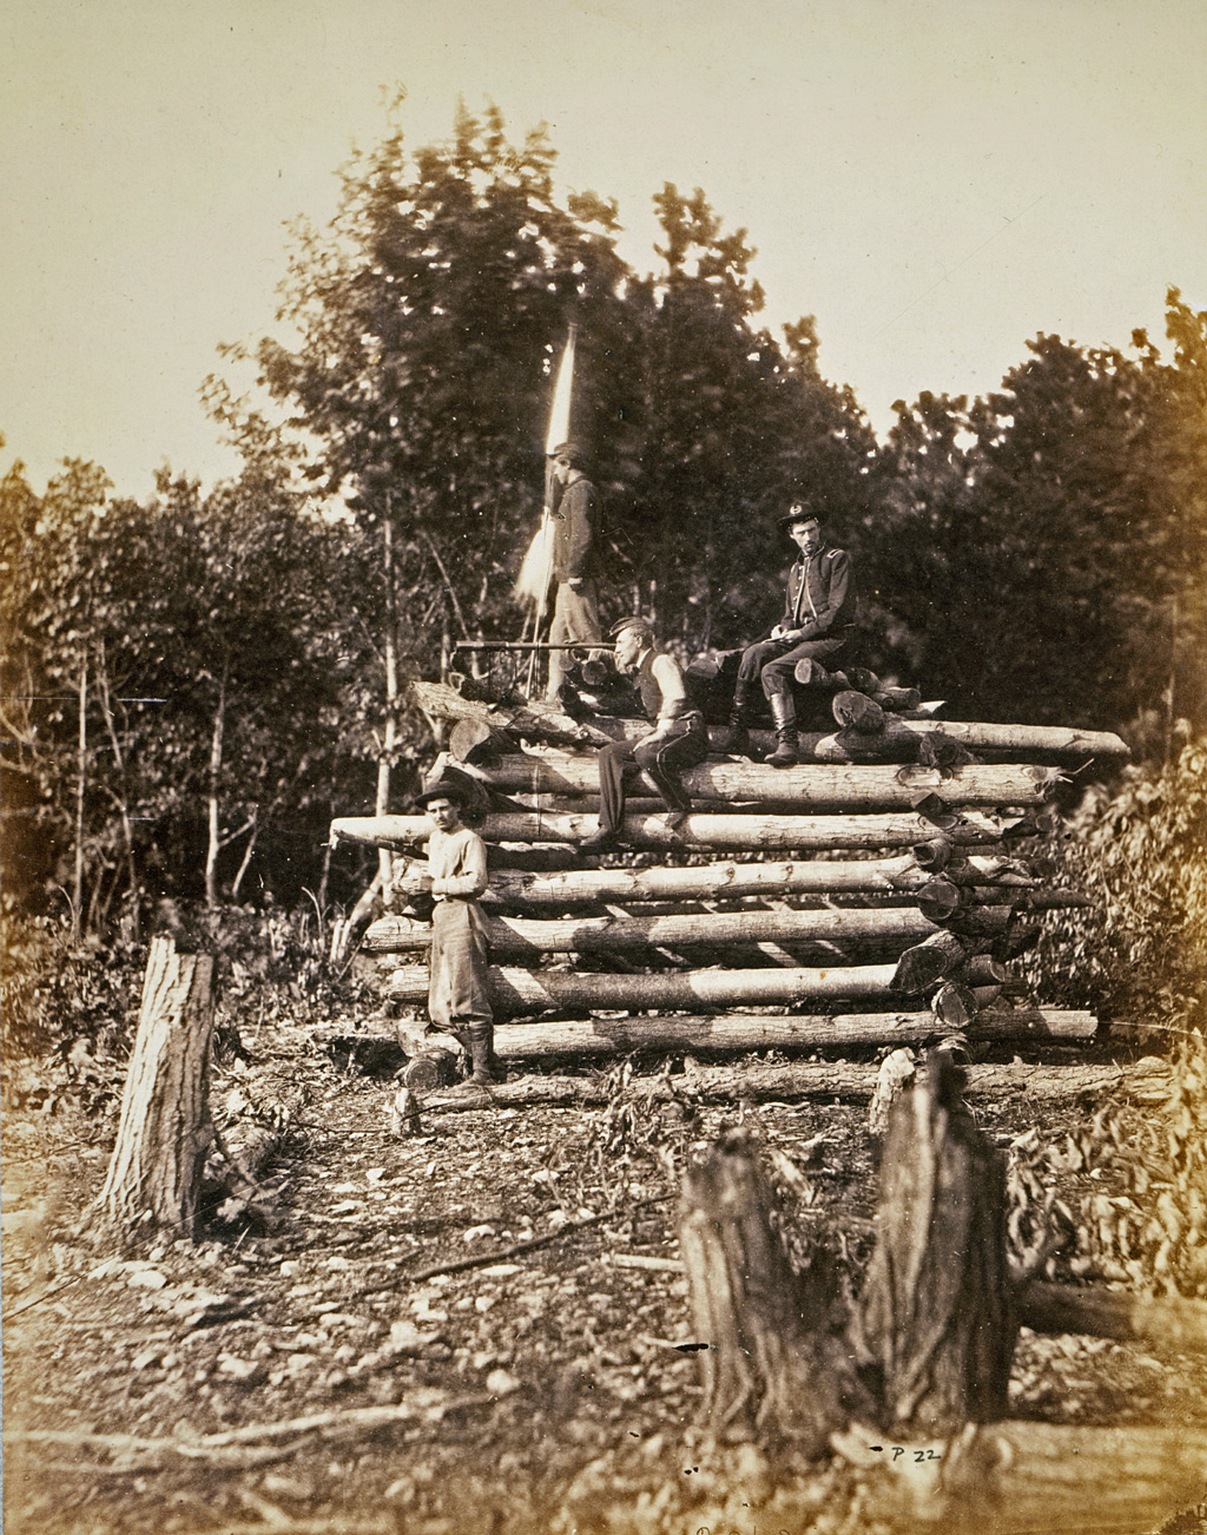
x=937, y=1323
x=769, y=1366
x=165, y=1129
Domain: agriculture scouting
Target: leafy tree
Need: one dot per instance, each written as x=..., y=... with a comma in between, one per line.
x=427, y=319
x=730, y=423
x=172, y=679
x=1036, y=550
x=1175, y=461
x=928, y=541
x=55, y=599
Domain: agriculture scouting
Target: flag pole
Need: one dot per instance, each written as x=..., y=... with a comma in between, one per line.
x=536, y=573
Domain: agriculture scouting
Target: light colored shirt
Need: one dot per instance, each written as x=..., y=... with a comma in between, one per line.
x=457, y=861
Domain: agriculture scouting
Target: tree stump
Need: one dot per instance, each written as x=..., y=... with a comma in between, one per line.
x=770, y=1365
x=154, y=1175
x=936, y=1323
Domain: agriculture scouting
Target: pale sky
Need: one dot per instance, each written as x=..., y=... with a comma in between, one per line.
x=936, y=182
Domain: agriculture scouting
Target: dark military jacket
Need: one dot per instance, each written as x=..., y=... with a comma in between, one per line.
x=576, y=529
x=821, y=594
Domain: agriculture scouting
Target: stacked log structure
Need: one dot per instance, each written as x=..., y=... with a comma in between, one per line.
x=877, y=892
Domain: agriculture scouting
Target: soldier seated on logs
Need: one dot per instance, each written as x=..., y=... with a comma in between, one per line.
x=679, y=739
x=819, y=614
x=458, y=1001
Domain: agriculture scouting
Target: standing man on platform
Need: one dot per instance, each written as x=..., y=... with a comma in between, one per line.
x=819, y=619
x=575, y=536
x=679, y=739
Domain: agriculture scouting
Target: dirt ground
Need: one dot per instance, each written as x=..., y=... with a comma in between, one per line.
x=299, y=1373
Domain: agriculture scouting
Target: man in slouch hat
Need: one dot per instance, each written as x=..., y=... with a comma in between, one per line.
x=679, y=739
x=575, y=537
x=458, y=1002
x=818, y=620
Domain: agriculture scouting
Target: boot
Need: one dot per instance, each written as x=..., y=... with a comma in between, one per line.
x=783, y=712
x=481, y=1039
x=600, y=841
x=736, y=741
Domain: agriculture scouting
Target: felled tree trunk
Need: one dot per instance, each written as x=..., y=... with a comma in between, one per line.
x=936, y=1322
x=516, y=992
x=745, y=1032
x=838, y=786
x=885, y=928
x=749, y=833
x=771, y=1366
x=165, y=1130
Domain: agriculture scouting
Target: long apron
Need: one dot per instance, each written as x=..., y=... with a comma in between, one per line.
x=457, y=975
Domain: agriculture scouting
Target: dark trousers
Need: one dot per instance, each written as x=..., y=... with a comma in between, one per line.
x=664, y=758
x=772, y=662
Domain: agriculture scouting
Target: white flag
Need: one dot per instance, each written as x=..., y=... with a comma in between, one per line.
x=536, y=572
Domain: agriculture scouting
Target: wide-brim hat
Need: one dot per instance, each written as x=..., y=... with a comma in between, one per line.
x=442, y=788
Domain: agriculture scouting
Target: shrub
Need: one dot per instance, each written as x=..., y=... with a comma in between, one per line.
x=1140, y=853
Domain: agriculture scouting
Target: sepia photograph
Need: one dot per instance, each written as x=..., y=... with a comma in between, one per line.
x=603, y=767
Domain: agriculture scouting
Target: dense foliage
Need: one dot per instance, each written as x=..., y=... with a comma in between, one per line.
x=1139, y=851
x=194, y=685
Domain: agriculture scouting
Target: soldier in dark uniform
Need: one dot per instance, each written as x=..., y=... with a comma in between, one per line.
x=679, y=739
x=575, y=535
x=818, y=621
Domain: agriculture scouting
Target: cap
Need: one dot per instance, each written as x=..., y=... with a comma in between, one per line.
x=633, y=621
x=800, y=510
x=572, y=450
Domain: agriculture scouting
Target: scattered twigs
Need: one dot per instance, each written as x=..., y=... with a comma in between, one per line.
x=530, y=1244
x=353, y=1420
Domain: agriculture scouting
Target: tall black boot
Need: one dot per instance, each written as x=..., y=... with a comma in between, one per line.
x=783, y=712
x=737, y=739
x=481, y=1041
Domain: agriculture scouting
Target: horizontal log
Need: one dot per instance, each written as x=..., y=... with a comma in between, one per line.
x=1178, y=1325
x=899, y=739
x=514, y=991
x=519, y=937
x=749, y=1031
x=927, y=962
x=984, y=970
x=852, y=1082
x=953, y=1005
x=836, y=786
x=533, y=721
x=1029, y=1478
x=721, y=880
x=745, y=833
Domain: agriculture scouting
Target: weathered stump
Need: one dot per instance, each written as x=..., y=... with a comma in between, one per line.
x=165, y=1129
x=937, y=1324
x=769, y=1363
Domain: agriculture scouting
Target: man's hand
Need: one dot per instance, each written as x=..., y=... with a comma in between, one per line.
x=574, y=583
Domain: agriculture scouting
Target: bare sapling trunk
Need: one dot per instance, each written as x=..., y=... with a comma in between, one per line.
x=77, y=902
x=165, y=1131
x=389, y=737
x=213, y=818
x=937, y=1324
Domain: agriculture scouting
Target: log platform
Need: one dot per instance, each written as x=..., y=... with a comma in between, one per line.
x=875, y=894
